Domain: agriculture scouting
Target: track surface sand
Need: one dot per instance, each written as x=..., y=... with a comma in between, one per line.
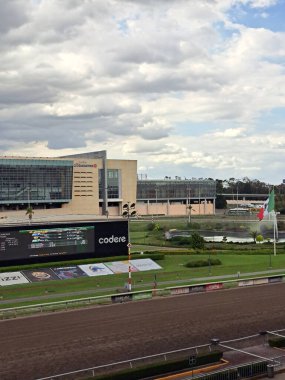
x=46, y=345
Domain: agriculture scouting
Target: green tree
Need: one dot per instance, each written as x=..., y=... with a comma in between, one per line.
x=30, y=212
x=259, y=238
x=253, y=234
x=197, y=241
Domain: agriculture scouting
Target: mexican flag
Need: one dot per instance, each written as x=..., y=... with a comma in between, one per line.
x=267, y=207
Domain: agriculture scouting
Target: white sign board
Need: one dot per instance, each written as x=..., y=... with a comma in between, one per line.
x=120, y=267
x=12, y=278
x=145, y=264
x=95, y=269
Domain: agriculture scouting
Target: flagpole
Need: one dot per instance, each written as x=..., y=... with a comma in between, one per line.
x=274, y=234
x=275, y=231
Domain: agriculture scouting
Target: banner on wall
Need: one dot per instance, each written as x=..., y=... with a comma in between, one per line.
x=260, y=281
x=197, y=288
x=275, y=279
x=177, y=291
x=215, y=286
x=245, y=283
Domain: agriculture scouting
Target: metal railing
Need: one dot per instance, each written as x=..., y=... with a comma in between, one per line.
x=244, y=370
x=132, y=363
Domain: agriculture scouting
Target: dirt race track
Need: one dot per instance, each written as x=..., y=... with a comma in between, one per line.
x=46, y=345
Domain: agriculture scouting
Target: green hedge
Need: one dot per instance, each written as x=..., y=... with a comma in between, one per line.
x=163, y=367
x=276, y=342
x=203, y=263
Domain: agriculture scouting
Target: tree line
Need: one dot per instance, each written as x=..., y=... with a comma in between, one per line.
x=247, y=186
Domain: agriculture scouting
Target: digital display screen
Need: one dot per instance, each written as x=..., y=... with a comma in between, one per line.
x=21, y=244
x=41, y=242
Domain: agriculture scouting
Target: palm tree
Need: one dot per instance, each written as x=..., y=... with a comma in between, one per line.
x=30, y=213
x=253, y=234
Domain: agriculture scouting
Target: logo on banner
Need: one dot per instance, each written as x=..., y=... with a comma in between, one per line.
x=12, y=278
x=112, y=239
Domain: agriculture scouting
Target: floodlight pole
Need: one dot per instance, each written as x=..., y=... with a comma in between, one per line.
x=127, y=212
x=129, y=251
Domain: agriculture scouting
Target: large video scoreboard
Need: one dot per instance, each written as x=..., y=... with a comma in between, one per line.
x=62, y=241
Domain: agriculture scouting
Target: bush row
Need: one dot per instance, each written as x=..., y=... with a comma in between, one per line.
x=276, y=342
x=163, y=367
x=203, y=263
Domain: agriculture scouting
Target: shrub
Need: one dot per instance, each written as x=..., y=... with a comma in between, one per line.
x=276, y=342
x=162, y=367
x=193, y=226
x=197, y=241
x=150, y=226
x=259, y=238
x=203, y=263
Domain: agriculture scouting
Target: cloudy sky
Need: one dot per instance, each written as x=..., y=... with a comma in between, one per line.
x=190, y=88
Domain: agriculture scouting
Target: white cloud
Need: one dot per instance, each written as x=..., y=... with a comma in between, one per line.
x=123, y=75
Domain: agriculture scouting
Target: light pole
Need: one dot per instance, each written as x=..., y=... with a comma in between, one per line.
x=29, y=211
x=189, y=204
x=28, y=197
x=237, y=193
x=156, y=200
x=129, y=210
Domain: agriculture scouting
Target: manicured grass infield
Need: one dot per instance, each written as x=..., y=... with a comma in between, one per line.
x=173, y=273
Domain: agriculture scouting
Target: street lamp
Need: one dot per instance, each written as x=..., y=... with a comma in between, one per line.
x=128, y=211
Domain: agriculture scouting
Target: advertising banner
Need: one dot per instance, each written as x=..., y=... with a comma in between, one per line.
x=95, y=269
x=12, y=278
x=120, y=267
x=215, y=286
x=177, y=291
x=245, y=283
x=65, y=273
x=38, y=275
x=111, y=238
x=275, y=279
x=122, y=298
x=196, y=289
x=145, y=264
x=142, y=296
x=260, y=281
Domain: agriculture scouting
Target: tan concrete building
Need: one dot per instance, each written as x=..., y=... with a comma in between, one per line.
x=176, y=197
x=86, y=184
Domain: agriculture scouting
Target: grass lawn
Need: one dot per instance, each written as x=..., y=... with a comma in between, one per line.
x=173, y=271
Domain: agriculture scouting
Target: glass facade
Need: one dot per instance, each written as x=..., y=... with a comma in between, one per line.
x=113, y=183
x=35, y=181
x=175, y=189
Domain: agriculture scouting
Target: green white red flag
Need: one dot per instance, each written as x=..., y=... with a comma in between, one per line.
x=268, y=207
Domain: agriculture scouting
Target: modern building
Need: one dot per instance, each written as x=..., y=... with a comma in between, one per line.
x=91, y=184
x=87, y=183
x=176, y=197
